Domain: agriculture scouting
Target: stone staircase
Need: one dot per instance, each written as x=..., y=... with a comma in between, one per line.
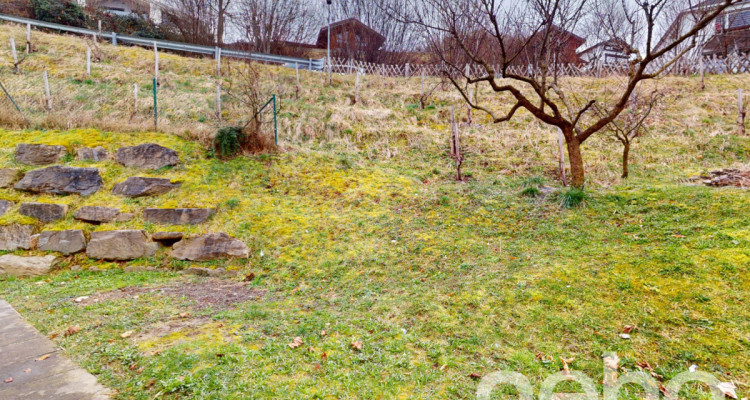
x=113, y=245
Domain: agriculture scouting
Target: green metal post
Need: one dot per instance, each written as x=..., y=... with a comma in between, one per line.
x=156, y=113
x=275, y=125
x=14, y=103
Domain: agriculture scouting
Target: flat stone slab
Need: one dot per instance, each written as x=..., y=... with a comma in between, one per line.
x=147, y=156
x=210, y=246
x=96, y=215
x=39, y=154
x=26, y=266
x=167, y=238
x=61, y=180
x=177, y=216
x=120, y=245
x=97, y=153
x=65, y=242
x=15, y=237
x=8, y=177
x=137, y=186
x=44, y=212
x=55, y=377
x=5, y=205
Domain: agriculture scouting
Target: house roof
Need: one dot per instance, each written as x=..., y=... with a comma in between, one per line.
x=617, y=43
x=352, y=23
x=671, y=30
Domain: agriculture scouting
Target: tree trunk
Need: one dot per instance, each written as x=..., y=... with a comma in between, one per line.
x=577, y=173
x=625, y=155
x=220, y=23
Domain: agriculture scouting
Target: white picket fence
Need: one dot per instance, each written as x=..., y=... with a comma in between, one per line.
x=686, y=66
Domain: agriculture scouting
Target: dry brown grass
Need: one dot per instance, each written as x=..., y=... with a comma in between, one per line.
x=386, y=124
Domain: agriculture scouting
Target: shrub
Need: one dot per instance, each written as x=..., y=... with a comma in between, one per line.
x=227, y=142
x=64, y=12
x=572, y=198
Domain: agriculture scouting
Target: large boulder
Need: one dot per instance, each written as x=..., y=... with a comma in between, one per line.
x=39, y=154
x=5, y=205
x=8, y=176
x=65, y=242
x=97, y=153
x=26, y=266
x=61, y=180
x=147, y=156
x=210, y=246
x=137, y=186
x=44, y=212
x=120, y=245
x=96, y=215
x=14, y=237
x=177, y=216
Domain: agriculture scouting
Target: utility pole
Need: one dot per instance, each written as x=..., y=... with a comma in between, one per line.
x=328, y=57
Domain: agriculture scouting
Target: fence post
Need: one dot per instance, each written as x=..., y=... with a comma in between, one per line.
x=156, y=113
x=135, y=98
x=13, y=52
x=421, y=91
x=156, y=64
x=28, y=38
x=453, y=133
x=217, y=55
x=468, y=106
x=275, y=125
x=218, y=101
x=88, y=60
x=99, y=24
x=466, y=70
x=703, y=73
x=356, y=89
x=406, y=70
x=48, y=98
x=740, y=112
x=561, y=157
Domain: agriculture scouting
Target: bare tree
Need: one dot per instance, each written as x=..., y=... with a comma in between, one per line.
x=536, y=32
x=631, y=124
x=193, y=20
x=269, y=25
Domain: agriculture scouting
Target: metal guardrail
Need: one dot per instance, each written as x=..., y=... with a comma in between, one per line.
x=292, y=62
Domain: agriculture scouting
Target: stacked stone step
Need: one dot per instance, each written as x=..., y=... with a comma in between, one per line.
x=117, y=245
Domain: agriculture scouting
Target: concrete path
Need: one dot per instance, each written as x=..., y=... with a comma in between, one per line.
x=37, y=368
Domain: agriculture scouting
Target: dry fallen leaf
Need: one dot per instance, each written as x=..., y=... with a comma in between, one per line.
x=297, y=342
x=27, y=370
x=72, y=330
x=322, y=333
x=9, y=380
x=44, y=357
x=475, y=375
x=54, y=335
x=357, y=345
x=184, y=314
x=627, y=328
x=324, y=356
x=565, y=362
x=126, y=335
x=728, y=388
x=317, y=367
x=612, y=362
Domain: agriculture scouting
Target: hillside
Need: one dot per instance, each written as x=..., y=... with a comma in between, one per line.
x=359, y=236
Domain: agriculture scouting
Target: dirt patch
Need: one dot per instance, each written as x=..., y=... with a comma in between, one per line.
x=207, y=293
x=725, y=177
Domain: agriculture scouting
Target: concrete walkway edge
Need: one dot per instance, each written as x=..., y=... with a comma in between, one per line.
x=32, y=368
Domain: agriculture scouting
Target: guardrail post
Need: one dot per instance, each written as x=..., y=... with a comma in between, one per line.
x=156, y=127
x=114, y=39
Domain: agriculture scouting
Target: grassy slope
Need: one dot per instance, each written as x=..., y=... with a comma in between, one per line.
x=367, y=237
